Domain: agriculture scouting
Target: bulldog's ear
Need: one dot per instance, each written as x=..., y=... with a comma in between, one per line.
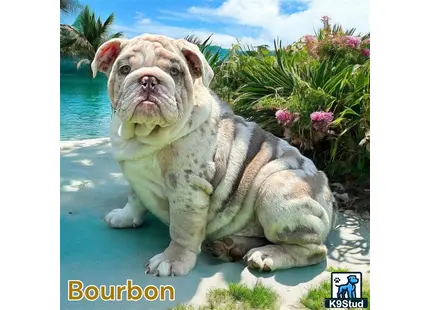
x=106, y=55
x=196, y=61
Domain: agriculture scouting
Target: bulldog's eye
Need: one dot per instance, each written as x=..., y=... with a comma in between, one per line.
x=125, y=69
x=174, y=71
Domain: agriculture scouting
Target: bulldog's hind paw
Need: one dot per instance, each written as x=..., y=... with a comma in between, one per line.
x=123, y=218
x=258, y=260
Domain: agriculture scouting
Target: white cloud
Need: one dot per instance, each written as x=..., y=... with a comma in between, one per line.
x=246, y=12
x=180, y=16
x=267, y=15
x=141, y=19
x=144, y=21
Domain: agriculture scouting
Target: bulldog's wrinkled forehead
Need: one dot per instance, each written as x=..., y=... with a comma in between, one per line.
x=147, y=49
x=157, y=40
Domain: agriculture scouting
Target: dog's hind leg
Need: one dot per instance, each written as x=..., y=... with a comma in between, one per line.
x=295, y=213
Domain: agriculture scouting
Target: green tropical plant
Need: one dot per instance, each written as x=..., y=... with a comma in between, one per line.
x=82, y=39
x=229, y=68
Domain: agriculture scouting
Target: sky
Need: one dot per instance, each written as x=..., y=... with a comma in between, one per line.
x=254, y=22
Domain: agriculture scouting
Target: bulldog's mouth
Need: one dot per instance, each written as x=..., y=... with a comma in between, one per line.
x=145, y=109
x=147, y=99
x=145, y=103
x=145, y=106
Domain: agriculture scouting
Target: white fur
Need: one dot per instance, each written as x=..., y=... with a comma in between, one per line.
x=129, y=216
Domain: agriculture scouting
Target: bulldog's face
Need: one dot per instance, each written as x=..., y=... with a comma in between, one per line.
x=151, y=79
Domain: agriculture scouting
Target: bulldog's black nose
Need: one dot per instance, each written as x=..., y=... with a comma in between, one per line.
x=149, y=82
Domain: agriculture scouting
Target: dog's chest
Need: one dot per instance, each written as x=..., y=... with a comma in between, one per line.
x=145, y=177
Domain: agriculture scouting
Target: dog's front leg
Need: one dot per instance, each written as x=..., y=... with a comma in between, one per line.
x=188, y=208
x=129, y=216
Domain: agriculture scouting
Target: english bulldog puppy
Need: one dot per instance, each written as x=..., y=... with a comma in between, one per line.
x=220, y=183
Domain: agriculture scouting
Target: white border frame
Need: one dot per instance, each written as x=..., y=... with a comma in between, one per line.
x=30, y=163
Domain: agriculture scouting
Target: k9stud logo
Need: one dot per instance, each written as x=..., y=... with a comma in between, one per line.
x=346, y=290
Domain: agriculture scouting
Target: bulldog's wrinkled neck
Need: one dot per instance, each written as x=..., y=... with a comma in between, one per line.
x=131, y=141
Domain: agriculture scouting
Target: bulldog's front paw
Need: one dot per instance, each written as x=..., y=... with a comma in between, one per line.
x=123, y=218
x=174, y=261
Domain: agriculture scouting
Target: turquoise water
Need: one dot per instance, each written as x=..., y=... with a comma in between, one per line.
x=85, y=107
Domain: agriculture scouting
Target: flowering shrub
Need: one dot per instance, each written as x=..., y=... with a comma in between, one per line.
x=353, y=42
x=332, y=41
x=286, y=118
x=321, y=121
x=365, y=52
x=317, y=96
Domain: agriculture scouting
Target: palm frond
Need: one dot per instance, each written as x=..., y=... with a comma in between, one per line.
x=85, y=35
x=115, y=35
x=193, y=39
x=108, y=23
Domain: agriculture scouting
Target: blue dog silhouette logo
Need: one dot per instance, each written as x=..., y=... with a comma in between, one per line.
x=348, y=289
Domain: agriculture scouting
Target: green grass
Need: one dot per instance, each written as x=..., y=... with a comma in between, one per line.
x=238, y=296
x=332, y=269
x=315, y=297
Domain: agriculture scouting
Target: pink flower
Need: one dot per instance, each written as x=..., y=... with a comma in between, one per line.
x=338, y=41
x=365, y=52
x=309, y=38
x=286, y=118
x=281, y=115
x=367, y=41
x=325, y=18
x=353, y=42
x=321, y=121
x=322, y=116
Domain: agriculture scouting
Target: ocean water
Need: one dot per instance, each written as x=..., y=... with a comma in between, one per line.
x=85, y=107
